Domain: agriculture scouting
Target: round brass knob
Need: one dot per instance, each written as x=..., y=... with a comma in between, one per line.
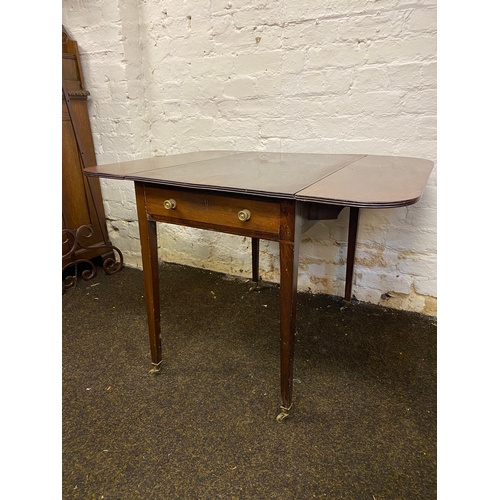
x=244, y=215
x=170, y=204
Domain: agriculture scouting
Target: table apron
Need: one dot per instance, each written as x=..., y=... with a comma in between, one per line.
x=222, y=212
x=274, y=236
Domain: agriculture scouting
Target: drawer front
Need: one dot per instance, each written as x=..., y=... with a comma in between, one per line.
x=210, y=210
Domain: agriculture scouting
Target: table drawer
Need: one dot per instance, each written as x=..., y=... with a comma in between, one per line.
x=202, y=209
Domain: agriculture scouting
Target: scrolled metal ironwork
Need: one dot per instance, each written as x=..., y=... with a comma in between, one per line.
x=75, y=238
x=69, y=238
x=111, y=265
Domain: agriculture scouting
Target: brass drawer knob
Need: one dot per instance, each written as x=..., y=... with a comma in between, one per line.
x=170, y=204
x=244, y=215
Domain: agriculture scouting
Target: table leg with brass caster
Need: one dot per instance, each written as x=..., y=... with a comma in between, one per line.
x=255, y=260
x=351, y=252
x=289, y=266
x=149, y=250
x=345, y=305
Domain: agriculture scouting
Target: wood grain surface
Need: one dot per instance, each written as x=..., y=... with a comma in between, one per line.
x=342, y=179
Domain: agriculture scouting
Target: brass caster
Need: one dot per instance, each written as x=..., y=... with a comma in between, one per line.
x=256, y=287
x=260, y=285
x=281, y=416
x=345, y=305
x=284, y=414
x=156, y=368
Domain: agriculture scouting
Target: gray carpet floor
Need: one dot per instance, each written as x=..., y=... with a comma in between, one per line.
x=363, y=424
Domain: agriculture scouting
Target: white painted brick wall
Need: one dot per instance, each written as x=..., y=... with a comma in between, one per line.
x=351, y=76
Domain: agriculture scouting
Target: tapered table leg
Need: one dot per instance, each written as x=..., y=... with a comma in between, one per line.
x=289, y=260
x=351, y=251
x=255, y=260
x=149, y=250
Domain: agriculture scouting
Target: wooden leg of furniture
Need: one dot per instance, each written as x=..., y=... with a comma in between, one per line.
x=149, y=250
x=255, y=260
x=289, y=260
x=351, y=251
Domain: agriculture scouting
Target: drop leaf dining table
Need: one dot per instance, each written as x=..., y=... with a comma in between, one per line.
x=261, y=195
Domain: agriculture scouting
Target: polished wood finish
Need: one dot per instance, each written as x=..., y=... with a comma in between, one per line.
x=291, y=221
x=372, y=182
x=255, y=259
x=351, y=250
x=367, y=181
x=212, y=211
x=81, y=196
x=279, y=175
x=140, y=168
x=149, y=251
x=285, y=194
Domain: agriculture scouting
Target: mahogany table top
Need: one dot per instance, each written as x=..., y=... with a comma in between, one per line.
x=368, y=181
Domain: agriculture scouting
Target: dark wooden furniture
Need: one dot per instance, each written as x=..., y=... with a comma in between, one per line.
x=85, y=235
x=273, y=196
